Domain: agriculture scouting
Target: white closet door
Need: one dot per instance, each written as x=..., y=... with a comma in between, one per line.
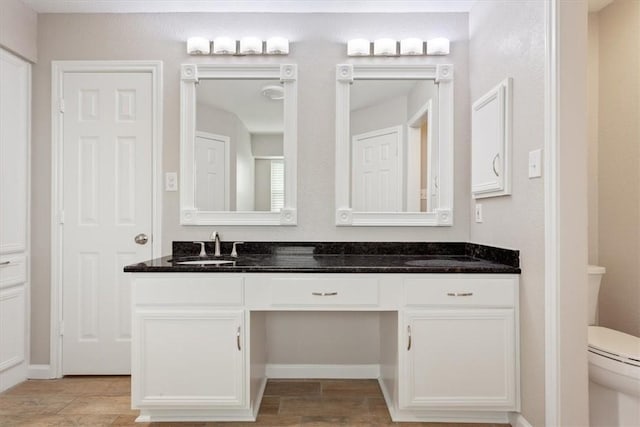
x=107, y=184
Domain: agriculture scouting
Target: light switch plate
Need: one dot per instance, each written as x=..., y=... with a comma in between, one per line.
x=535, y=163
x=478, y=212
x=171, y=181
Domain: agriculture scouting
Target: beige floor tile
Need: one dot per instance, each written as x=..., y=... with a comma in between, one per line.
x=330, y=407
x=118, y=405
x=60, y=420
x=292, y=388
x=350, y=388
x=37, y=404
x=321, y=421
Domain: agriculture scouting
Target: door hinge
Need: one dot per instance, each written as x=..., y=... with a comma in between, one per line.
x=61, y=327
x=61, y=106
x=61, y=217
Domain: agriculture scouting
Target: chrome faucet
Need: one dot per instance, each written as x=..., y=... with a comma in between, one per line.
x=215, y=236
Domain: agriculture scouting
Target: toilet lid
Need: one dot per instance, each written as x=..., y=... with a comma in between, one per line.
x=615, y=343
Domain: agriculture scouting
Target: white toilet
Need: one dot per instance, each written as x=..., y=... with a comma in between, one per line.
x=614, y=368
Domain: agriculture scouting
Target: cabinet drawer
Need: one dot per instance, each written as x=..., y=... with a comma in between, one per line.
x=325, y=292
x=13, y=270
x=219, y=291
x=489, y=292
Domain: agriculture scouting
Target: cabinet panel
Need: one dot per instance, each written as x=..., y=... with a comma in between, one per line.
x=458, y=359
x=13, y=270
x=14, y=143
x=456, y=291
x=12, y=327
x=188, y=358
x=324, y=291
x=198, y=290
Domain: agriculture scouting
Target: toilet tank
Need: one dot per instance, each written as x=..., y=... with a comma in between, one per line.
x=594, y=274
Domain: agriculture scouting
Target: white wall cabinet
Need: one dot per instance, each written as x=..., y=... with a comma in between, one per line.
x=491, y=142
x=15, y=105
x=449, y=342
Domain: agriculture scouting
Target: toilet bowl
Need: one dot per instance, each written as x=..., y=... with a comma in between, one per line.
x=614, y=368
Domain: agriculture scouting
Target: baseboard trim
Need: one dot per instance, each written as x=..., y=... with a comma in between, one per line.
x=39, y=372
x=517, y=420
x=323, y=371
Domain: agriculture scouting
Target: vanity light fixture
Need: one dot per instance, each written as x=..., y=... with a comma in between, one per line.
x=411, y=46
x=224, y=46
x=385, y=47
x=250, y=46
x=198, y=46
x=439, y=46
x=277, y=46
x=358, y=47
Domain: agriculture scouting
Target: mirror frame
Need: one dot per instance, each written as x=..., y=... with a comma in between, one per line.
x=442, y=215
x=190, y=74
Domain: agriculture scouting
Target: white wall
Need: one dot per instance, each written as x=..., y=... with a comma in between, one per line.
x=618, y=165
x=506, y=39
x=318, y=43
x=18, y=29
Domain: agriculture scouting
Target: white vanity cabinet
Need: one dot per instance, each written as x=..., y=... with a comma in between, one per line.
x=189, y=348
x=448, y=342
x=458, y=346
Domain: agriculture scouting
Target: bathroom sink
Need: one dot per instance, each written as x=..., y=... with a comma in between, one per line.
x=206, y=262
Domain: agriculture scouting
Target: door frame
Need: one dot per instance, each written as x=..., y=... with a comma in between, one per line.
x=58, y=71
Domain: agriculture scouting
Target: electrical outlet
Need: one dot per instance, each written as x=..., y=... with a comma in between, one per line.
x=171, y=181
x=478, y=212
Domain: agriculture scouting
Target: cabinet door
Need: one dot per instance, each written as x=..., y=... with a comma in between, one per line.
x=188, y=358
x=12, y=329
x=14, y=143
x=462, y=359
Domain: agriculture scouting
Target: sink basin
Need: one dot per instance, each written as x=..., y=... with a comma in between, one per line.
x=206, y=262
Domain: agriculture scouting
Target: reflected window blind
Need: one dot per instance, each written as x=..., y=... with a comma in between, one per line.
x=277, y=185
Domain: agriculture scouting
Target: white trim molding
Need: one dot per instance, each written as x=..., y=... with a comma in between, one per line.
x=40, y=372
x=191, y=74
x=58, y=70
x=517, y=420
x=442, y=213
x=323, y=371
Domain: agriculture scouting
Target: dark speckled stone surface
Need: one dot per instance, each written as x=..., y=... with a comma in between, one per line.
x=341, y=257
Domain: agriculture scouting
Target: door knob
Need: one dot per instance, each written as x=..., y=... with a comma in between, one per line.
x=141, y=239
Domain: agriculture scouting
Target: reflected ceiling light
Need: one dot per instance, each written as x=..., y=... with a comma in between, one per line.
x=198, y=46
x=224, y=46
x=277, y=46
x=273, y=92
x=385, y=47
x=411, y=46
x=358, y=47
x=439, y=46
x=250, y=46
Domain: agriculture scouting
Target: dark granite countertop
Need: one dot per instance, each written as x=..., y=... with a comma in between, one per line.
x=340, y=257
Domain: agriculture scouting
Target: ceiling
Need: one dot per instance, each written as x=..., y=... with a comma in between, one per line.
x=275, y=6
x=366, y=93
x=596, y=5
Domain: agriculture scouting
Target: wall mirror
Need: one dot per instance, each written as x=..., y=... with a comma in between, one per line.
x=238, y=144
x=394, y=145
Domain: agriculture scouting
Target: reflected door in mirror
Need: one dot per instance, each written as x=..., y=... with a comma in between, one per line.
x=212, y=181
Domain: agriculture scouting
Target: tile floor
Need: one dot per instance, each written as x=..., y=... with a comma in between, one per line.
x=104, y=401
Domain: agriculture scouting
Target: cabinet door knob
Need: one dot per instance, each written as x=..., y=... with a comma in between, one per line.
x=409, y=334
x=2, y=264
x=238, y=339
x=324, y=294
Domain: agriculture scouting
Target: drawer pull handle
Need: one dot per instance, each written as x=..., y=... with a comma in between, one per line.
x=459, y=294
x=324, y=294
x=238, y=339
x=409, y=333
x=2, y=264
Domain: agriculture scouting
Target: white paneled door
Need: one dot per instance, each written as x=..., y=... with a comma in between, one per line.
x=107, y=214
x=376, y=171
x=212, y=174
